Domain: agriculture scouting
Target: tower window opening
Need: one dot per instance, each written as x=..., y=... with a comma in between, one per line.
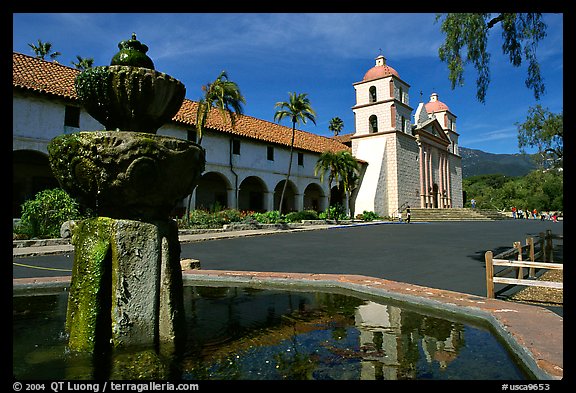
x=372, y=93
x=373, y=122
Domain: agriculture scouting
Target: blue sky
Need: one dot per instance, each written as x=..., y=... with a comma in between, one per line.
x=322, y=54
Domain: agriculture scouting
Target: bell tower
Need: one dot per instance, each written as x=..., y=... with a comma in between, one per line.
x=382, y=116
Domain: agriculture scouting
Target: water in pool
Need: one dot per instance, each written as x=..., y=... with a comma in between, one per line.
x=240, y=333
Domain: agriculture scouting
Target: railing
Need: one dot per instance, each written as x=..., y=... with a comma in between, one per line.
x=400, y=209
x=517, y=266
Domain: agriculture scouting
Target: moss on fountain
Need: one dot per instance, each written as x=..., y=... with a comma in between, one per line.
x=91, y=239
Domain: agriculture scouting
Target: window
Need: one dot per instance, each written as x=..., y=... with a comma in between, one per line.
x=301, y=159
x=373, y=123
x=403, y=124
x=270, y=153
x=191, y=135
x=372, y=93
x=401, y=94
x=72, y=116
x=235, y=146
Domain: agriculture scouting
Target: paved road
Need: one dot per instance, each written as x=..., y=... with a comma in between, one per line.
x=440, y=255
x=445, y=255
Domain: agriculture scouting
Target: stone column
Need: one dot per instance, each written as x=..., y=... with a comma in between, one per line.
x=422, y=185
x=441, y=180
x=269, y=201
x=448, y=185
x=426, y=185
x=299, y=202
x=126, y=287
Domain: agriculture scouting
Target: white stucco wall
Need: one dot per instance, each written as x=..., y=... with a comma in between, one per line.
x=37, y=120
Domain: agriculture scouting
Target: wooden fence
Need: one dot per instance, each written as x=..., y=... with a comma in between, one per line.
x=517, y=266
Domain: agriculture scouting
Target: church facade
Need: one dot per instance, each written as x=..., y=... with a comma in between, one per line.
x=402, y=163
x=408, y=164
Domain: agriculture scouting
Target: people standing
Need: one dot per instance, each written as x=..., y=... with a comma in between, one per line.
x=408, y=214
x=514, y=212
x=473, y=202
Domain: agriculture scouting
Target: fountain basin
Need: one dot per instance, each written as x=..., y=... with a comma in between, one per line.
x=534, y=335
x=128, y=98
x=124, y=174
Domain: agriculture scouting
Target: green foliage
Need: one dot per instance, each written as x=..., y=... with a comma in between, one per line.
x=43, y=216
x=334, y=212
x=521, y=33
x=204, y=219
x=336, y=124
x=368, y=216
x=302, y=215
x=269, y=217
x=222, y=94
x=540, y=190
x=545, y=131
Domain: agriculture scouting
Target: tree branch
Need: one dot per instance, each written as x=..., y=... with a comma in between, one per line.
x=492, y=22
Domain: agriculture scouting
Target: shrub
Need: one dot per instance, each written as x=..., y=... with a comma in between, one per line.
x=43, y=216
x=269, y=217
x=337, y=212
x=369, y=216
x=302, y=215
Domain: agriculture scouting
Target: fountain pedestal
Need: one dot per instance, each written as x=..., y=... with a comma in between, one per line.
x=126, y=286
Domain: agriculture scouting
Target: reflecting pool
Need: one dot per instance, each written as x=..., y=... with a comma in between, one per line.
x=273, y=334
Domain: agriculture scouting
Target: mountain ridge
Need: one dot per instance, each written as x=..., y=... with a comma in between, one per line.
x=477, y=162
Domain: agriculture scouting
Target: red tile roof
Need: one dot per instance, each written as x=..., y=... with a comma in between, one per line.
x=46, y=77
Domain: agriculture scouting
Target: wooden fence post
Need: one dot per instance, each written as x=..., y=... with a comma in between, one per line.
x=530, y=244
x=549, y=254
x=489, y=275
x=519, y=270
x=541, y=241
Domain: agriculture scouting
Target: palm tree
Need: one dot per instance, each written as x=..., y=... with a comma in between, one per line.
x=224, y=95
x=336, y=124
x=328, y=162
x=298, y=108
x=341, y=167
x=43, y=49
x=83, y=63
x=350, y=175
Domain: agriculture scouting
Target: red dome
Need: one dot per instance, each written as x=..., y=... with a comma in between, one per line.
x=435, y=105
x=380, y=70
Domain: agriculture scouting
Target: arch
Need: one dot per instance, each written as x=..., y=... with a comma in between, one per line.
x=289, y=203
x=31, y=174
x=372, y=94
x=212, y=191
x=251, y=194
x=314, y=197
x=373, y=123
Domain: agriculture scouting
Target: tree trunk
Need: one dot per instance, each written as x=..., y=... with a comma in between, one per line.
x=289, y=169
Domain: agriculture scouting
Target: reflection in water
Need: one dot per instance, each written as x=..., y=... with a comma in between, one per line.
x=249, y=334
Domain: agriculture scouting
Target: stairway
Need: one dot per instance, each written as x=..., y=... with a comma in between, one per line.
x=457, y=214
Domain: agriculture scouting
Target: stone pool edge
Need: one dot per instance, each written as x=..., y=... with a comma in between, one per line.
x=533, y=333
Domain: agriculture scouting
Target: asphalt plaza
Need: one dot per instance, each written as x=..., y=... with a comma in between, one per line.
x=443, y=255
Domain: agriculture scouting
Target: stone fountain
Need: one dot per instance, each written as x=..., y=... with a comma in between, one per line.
x=126, y=288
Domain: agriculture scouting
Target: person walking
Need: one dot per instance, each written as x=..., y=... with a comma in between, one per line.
x=473, y=203
x=408, y=214
x=514, y=212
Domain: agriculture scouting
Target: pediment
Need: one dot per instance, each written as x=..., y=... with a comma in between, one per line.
x=431, y=128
